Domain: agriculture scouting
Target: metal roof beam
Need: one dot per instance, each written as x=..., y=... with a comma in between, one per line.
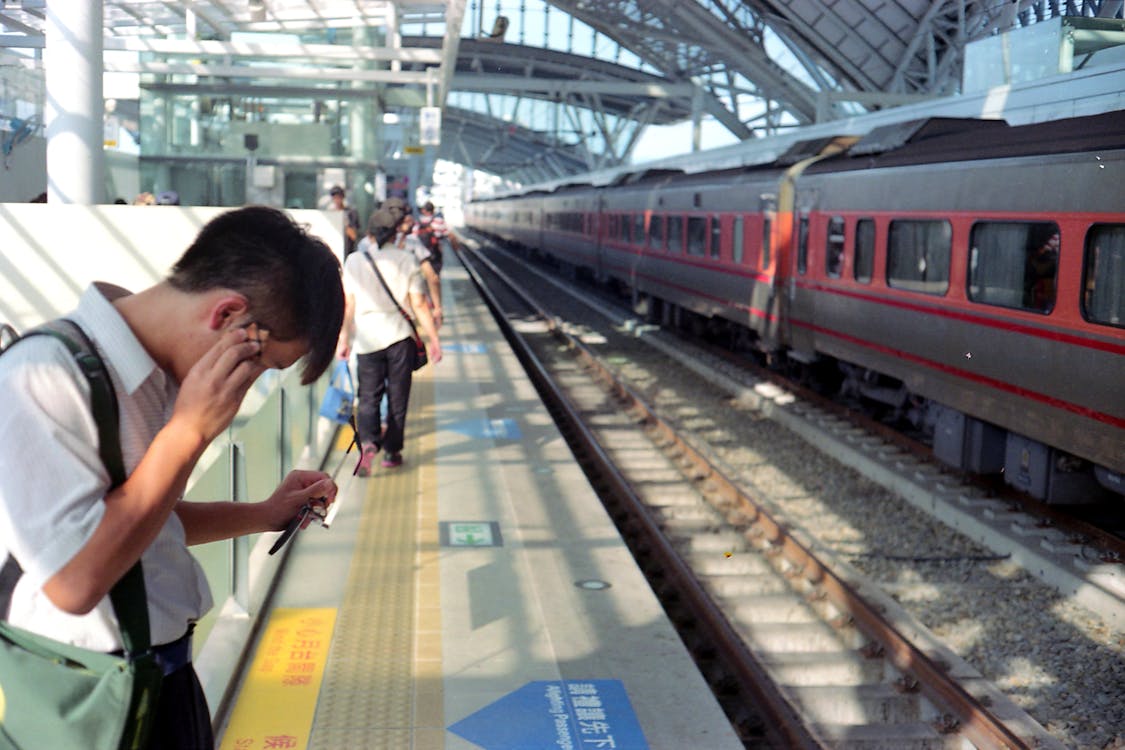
x=311, y=52
x=387, y=97
x=25, y=42
x=256, y=72
x=706, y=43
x=505, y=84
x=10, y=23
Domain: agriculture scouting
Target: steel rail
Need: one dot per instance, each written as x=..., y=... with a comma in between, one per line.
x=976, y=722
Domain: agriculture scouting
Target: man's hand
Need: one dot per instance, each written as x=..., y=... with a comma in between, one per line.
x=300, y=487
x=213, y=390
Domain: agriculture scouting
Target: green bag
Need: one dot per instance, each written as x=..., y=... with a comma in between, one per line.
x=55, y=696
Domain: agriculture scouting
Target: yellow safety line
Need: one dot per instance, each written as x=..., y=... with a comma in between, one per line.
x=368, y=699
x=429, y=702
x=278, y=697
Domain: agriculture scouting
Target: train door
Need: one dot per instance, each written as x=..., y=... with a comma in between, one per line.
x=799, y=290
x=598, y=206
x=638, y=239
x=537, y=218
x=765, y=303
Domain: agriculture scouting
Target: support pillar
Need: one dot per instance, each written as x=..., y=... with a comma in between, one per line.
x=365, y=122
x=75, y=108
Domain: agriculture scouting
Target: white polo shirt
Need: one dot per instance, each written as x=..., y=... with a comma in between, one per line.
x=53, y=483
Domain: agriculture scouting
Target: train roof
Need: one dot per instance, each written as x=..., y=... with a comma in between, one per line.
x=943, y=139
x=931, y=140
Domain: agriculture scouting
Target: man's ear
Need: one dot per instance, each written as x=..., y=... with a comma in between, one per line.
x=227, y=309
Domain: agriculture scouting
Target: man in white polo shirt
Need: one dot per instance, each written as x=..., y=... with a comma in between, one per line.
x=254, y=291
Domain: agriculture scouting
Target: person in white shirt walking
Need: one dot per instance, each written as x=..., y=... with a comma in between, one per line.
x=382, y=339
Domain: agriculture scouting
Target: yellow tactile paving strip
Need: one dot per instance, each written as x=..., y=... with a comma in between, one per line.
x=279, y=695
x=382, y=687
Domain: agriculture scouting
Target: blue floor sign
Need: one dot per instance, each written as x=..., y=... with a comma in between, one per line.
x=497, y=429
x=465, y=347
x=557, y=715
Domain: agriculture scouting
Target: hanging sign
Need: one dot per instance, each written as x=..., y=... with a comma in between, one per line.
x=429, y=125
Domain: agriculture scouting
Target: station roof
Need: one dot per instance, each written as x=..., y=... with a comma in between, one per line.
x=755, y=66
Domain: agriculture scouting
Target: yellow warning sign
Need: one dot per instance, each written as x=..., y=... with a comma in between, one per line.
x=277, y=702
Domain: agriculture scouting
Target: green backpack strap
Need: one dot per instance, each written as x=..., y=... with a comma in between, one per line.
x=130, y=603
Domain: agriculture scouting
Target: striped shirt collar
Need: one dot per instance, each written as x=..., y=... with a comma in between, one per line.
x=118, y=343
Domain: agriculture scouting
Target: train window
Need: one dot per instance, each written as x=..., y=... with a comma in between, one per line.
x=1103, y=276
x=675, y=234
x=1014, y=264
x=737, y=240
x=656, y=232
x=767, y=242
x=864, y=267
x=638, y=229
x=803, y=244
x=623, y=228
x=834, y=248
x=716, y=236
x=697, y=235
x=918, y=255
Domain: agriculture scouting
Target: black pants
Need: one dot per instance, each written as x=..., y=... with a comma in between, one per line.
x=183, y=721
x=388, y=371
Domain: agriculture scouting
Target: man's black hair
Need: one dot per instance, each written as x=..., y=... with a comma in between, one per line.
x=290, y=278
x=383, y=235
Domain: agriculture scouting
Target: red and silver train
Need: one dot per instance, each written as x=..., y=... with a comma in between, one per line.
x=965, y=274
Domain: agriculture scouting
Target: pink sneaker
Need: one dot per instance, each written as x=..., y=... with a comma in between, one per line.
x=391, y=460
x=363, y=468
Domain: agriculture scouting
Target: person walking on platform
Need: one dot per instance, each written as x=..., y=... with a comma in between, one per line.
x=435, y=233
x=254, y=291
x=351, y=218
x=377, y=283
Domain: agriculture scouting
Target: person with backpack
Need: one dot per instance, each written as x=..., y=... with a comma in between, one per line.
x=254, y=291
x=431, y=230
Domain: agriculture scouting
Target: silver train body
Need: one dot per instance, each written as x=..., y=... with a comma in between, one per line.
x=911, y=268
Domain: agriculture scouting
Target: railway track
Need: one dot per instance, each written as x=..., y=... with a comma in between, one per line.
x=1076, y=557
x=801, y=650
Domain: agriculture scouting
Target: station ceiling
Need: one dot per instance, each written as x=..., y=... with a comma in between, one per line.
x=755, y=66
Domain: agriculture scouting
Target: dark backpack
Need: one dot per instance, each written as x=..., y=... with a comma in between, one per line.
x=432, y=243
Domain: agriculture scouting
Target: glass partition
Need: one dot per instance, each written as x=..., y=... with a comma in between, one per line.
x=274, y=432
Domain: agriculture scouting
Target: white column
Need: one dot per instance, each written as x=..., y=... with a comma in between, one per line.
x=75, y=108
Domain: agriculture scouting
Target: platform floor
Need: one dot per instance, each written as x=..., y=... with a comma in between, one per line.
x=476, y=597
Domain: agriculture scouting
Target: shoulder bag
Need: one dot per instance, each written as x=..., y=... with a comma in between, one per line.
x=339, y=397
x=420, y=355
x=58, y=696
